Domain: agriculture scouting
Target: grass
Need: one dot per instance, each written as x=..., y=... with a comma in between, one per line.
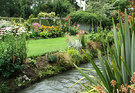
x=41, y=46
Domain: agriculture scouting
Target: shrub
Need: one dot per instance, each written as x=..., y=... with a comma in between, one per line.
x=73, y=42
x=71, y=31
x=75, y=55
x=45, y=34
x=64, y=61
x=51, y=31
x=92, y=47
x=13, y=51
x=35, y=29
x=101, y=36
x=4, y=23
x=52, y=58
x=86, y=17
x=43, y=14
x=81, y=35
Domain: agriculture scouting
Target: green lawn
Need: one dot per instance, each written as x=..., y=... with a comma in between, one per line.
x=42, y=46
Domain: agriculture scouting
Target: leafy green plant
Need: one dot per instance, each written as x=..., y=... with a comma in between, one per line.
x=35, y=29
x=73, y=42
x=43, y=14
x=52, y=58
x=122, y=59
x=45, y=34
x=88, y=18
x=33, y=62
x=13, y=53
x=4, y=23
x=81, y=35
x=4, y=88
x=75, y=55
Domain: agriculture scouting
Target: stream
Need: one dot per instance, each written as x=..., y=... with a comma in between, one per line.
x=60, y=83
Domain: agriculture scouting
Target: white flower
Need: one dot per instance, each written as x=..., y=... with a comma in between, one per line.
x=9, y=29
x=3, y=28
x=78, y=44
x=30, y=32
x=22, y=29
x=1, y=34
x=23, y=81
x=23, y=72
x=18, y=33
x=24, y=76
x=19, y=79
x=16, y=26
x=0, y=37
x=19, y=85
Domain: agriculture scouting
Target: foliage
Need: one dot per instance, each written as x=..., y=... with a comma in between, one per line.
x=35, y=29
x=73, y=42
x=101, y=36
x=45, y=34
x=64, y=61
x=131, y=6
x=86, y=17
x=50, y=31
x=72, y=30
x=62, y=8
x=52, y=58
x=33, y=62
x=43, y=14
x=91, y=48
x=26, y=11
x=122, y=59
x=13, y=51
x=75, y=55
x=4, y=88
x=121, y=5
x=81, y=35
x=4, y=23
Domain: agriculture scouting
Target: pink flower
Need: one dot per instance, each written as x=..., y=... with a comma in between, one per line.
x=78, y=25
x=36, y=24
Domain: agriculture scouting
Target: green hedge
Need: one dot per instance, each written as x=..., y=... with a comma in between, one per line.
x=86, y=17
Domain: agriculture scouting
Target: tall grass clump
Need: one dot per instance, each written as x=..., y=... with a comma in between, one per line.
x=118, y=66
x=12, y=51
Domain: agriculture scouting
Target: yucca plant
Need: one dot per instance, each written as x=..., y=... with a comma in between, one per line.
x=120, y=64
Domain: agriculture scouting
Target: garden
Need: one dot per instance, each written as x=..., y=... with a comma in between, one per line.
x=47, y=40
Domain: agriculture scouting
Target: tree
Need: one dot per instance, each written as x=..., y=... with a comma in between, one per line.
x=62, y=8
x=26, y=11
x=100, y=8
x=15, y=8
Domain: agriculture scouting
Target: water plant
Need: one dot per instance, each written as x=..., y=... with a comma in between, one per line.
x=120, y=66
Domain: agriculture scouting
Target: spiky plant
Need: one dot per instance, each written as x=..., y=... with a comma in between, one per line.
x=122, y=55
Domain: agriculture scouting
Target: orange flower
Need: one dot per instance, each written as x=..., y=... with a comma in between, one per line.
x=113, y=83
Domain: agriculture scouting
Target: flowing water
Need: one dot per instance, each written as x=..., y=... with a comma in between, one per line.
x=60, y=83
